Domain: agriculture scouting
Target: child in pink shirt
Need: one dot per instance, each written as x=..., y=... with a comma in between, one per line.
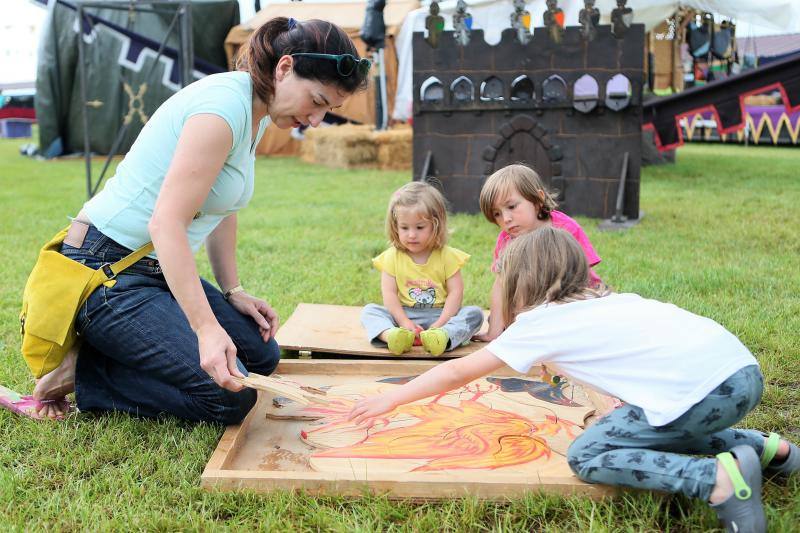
x=515, y=199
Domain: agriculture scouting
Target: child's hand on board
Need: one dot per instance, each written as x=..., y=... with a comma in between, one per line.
x=489, y=336
x=409, y=325
x=369, y=408
x=416, y=328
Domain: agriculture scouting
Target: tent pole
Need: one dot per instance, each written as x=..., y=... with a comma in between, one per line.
x=376, y=58
x=384, y=98
x=87, y=157
x=187, y=44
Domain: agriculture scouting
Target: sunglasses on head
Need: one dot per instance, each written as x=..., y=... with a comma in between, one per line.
x=346, y=64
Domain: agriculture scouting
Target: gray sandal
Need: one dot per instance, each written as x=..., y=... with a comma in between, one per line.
x=789, y=465
x=743, y=511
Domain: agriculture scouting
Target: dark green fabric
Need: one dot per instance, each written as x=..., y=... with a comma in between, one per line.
x=58, y=90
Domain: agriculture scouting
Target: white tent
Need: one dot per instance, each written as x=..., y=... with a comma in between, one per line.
x=492, y=16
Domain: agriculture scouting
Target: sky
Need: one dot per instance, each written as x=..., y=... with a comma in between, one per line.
x=22, y=20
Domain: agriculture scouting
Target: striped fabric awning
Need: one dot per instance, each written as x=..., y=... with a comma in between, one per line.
x=769, y=45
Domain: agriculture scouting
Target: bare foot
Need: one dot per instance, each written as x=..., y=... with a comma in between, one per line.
x=57, y=384
x=56, y=410
x=723, y=489
x=783, y=450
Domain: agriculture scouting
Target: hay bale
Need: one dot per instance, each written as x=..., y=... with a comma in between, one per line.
x=307, y=150
x=351, y=146
x=394, y=148
x=345, y=146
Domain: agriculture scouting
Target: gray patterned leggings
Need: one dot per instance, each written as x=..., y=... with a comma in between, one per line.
x=623, y=449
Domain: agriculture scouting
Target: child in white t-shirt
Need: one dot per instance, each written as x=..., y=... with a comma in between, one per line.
x=684, y=378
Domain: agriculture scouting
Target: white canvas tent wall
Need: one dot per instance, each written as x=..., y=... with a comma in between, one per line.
x=492, y=16
x=349, y=15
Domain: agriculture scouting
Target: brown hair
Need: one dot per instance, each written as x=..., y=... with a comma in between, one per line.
x=424, y=199
x=527, y=183
x=543, y=266
x=275, y=38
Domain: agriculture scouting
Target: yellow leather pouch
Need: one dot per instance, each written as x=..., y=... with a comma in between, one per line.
x=56, y=288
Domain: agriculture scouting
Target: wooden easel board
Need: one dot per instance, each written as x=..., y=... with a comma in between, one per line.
x=268, y=452
x=337, y=329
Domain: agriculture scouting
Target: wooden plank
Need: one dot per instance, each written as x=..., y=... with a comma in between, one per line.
x=420, y=488
x=337, y=329
x=354, y=367
x=223, y=450
x=226, y=449
x=266, y=454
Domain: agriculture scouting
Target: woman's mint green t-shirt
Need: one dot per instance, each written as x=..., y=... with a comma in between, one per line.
x=124, y=207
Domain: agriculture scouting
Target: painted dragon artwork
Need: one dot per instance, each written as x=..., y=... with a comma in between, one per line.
x=521, y=424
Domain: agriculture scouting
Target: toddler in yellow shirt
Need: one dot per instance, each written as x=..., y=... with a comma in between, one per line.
x=421, y=280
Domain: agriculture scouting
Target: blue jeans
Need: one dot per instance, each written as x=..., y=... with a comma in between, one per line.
x=140, y=356
x=623, y=449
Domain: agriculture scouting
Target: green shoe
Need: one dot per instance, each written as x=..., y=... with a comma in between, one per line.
x=434, y=340
x=399, y=340
x=743, y=511
x=788, y=466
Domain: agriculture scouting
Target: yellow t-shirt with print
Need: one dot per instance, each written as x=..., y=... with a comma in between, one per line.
x=421, y=286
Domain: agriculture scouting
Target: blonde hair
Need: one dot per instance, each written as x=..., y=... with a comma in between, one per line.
x=546, y=265
x=527, y=183
x=425, y=200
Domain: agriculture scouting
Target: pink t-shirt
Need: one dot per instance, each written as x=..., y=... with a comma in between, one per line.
x=559, y=220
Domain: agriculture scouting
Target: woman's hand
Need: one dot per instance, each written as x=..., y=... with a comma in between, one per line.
x=258, y=310
x=371, y=407
x=218, y=356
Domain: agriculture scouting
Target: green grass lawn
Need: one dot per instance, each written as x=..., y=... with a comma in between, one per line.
x=721, y=237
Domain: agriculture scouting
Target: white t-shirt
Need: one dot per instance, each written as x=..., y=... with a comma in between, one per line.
x=654, y=355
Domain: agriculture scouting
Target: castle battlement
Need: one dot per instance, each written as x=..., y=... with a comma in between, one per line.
x=569, y=109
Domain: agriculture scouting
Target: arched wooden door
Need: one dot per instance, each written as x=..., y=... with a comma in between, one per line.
x=523, y=147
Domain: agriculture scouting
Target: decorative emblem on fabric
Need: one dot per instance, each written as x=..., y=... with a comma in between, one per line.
x=135, y=103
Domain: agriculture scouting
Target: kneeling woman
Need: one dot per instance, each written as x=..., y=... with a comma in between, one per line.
x=162, y=340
